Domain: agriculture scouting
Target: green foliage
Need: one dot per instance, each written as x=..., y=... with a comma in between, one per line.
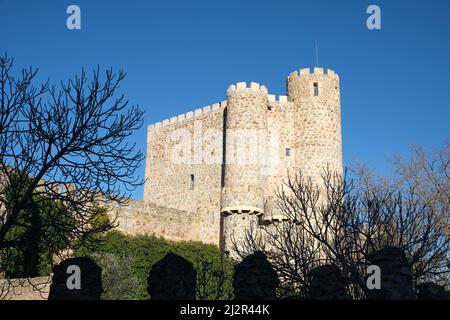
x=118, y=280
x=38, y=239
x=35, y=232
x=214, y=279
x=38, y=231
x=99, y=218
x=141, y=252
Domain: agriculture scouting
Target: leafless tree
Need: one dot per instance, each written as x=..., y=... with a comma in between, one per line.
x=213, y=280
x=292, y=253
x=427, y=175
x=340, y=224
x=65, y=147
x=424, y=172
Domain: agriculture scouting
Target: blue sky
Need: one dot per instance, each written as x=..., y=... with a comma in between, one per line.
x=181, y=55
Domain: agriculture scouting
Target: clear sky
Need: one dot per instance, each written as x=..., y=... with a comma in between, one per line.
x=181, y=55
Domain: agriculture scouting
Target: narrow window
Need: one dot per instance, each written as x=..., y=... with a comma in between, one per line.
x=192, y=182
x=316, y=89
x=288, y=152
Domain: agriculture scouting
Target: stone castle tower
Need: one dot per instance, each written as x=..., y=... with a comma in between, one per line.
x=213, y=171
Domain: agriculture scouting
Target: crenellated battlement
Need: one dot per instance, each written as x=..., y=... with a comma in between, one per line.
x=240, y=86
x=315, y=71
x=188, y=115
x=278, y=99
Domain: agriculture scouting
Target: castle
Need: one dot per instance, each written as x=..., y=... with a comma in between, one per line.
x=213, y=171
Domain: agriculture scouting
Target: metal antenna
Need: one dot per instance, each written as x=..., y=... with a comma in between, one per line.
x=317, y=55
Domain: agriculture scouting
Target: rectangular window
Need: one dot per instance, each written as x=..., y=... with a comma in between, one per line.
x=192, y=182
x=316, y=89
x=288, y=152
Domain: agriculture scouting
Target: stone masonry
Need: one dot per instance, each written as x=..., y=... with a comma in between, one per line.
x=213, y=171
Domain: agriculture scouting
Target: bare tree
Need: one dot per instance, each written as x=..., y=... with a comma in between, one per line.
x=336, y=223
x=427, y=175
x=214, y=280
x=63, y=147
x=293, y=253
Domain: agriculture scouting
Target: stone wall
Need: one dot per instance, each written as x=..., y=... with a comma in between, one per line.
x=181, y=149
x=25, y=289
x=318, y=121
x=283, y=137
x=146, y=218
x=246, y=148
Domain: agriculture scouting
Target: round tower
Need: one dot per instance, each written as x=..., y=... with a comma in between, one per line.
x=316, y=97
x=245, y=151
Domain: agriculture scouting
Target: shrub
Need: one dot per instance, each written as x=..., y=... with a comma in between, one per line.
x=135, y=255
x=119, y=283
